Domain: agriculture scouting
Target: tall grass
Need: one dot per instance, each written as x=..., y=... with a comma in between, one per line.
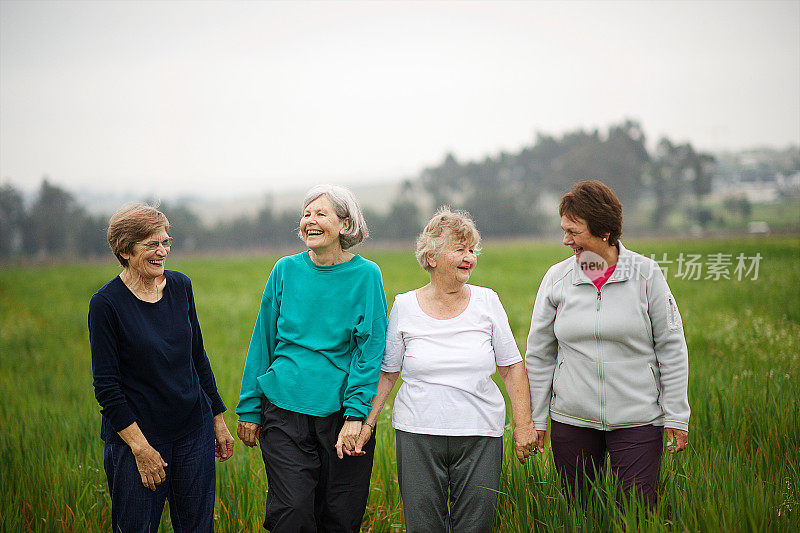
x=740, y=473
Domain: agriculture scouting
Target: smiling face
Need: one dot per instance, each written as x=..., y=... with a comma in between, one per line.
x=320, y=226
x=455, y=262
x=148, y=264
x=578, y=237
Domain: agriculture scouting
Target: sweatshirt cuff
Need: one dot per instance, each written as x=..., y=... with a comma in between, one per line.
x=357, y=410
x=120, y=417
x=217, y=405
x=676, y=424
x=253, y=418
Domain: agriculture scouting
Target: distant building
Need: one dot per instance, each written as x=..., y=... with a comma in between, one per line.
x=761, y=176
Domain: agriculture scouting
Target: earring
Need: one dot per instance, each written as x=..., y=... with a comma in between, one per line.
x=605, y=238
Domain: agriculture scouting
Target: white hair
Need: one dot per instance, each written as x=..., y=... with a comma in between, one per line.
x=346, y=206
x=444, y=227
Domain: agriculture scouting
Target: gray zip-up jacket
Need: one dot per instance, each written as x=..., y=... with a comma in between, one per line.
x=611, y=358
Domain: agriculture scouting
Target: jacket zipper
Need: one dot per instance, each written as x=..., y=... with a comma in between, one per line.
x=672, y=321
x=599, y=356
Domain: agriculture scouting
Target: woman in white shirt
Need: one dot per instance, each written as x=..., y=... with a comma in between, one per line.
x=448, y=338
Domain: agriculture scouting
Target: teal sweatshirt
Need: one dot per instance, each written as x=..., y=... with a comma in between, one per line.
x=318, y=341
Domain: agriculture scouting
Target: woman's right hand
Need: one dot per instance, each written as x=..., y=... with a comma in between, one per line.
x=363, y=438
x=151, y=466
x=248, y=433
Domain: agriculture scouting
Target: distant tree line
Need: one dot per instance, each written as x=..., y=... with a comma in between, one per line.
x=54, y=225
x=503, y=193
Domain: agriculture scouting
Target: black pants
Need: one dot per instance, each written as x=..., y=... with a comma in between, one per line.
x=635, y=455
x=310, y=488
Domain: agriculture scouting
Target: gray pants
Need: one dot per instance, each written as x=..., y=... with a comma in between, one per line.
x=428, y=466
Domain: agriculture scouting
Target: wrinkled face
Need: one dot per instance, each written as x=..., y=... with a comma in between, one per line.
x=321, y=227
x=578, y=237
x=456, y=261
x=149, y=263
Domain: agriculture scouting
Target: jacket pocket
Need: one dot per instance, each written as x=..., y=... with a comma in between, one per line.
x=673, y=316
x=575, y=389
x=556, y=375
x=656, y=381
x=631, y=393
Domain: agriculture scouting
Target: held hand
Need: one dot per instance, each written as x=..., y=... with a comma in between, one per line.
x=524, y=441
x=363, y=438
x=151, y=466
x=346, y=443
x=677, y=439
x=223, y=440
x=248, y=433
x=538, y=446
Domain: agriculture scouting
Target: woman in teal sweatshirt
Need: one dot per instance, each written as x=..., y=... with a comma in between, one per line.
x=312, y=370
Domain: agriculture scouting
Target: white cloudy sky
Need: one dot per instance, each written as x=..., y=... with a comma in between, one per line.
x=226, y=98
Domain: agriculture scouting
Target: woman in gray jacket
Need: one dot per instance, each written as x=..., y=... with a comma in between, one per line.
x=606, y=355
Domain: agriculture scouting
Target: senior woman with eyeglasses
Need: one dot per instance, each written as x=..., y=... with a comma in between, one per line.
x=447, y=339
x=606, y=355
x=162, y=419
x=312, y=368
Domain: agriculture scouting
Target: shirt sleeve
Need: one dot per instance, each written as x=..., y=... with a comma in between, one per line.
x=506, y=351
x=106, y=378
x=259, y=354
x=541, y=352
x=395, y=346
x=671, y=352
x=201, y=363
x=370, y=339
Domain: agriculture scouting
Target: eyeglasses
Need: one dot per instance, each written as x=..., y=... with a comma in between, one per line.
x=153, y=245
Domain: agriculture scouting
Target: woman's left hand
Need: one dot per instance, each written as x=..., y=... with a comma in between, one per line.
x=223, y=440
x=677, y=439
x=346, y=443
x=525, y=440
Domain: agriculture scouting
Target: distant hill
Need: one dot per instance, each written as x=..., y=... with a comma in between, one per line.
x=374, y=196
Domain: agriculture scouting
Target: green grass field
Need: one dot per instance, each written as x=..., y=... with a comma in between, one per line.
x=741, y=472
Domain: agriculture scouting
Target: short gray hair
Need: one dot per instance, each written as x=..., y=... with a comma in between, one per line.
x=346, y=206
x=446, y=226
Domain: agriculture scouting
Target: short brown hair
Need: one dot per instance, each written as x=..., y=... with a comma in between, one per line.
x=132, y=223
x=446, y=226
x=596, y=203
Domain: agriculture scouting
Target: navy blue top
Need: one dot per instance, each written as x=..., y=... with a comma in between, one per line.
x=148, y=362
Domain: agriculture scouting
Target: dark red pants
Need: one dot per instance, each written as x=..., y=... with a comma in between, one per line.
x=635, y=456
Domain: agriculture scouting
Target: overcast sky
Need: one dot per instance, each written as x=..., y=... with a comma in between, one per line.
x=227, y=98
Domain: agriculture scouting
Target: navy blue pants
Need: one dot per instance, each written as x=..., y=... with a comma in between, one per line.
x=189, y=485
x=310, y=488
x=635, y=456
